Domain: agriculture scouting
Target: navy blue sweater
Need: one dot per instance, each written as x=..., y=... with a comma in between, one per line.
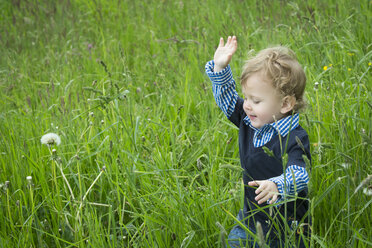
x=258, y=165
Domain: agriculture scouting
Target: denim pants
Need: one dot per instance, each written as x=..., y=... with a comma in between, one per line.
x=238, y=237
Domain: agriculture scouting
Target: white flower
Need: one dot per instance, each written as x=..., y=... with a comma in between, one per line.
x=50, y=139
x=29, y=178
x=367, y=191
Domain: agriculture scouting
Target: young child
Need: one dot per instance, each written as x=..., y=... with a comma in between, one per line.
x=273, y=84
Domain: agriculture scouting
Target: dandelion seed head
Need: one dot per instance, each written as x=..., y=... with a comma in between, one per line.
x=50, y=139
x=368, y=191
x=102, y=122
x=29, y=178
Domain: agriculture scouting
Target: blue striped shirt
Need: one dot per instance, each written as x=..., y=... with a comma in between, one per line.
x=295, y=177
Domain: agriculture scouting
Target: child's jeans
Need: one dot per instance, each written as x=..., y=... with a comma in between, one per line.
x=239, y=238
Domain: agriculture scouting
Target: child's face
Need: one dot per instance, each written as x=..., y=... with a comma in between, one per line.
x=262, y=101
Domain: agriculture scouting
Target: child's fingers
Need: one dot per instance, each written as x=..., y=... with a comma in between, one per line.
x=274, y=198
x=263, y=197
x=252, y=183
x=259, y=197
x=221, y=42
x=233, y=44
x=228, y=43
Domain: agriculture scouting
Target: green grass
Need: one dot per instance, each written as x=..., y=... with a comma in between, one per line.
x=172, y=165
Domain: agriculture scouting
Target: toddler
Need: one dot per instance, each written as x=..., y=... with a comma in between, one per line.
x=273, y=84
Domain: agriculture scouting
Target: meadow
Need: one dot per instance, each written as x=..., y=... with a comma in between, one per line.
x=146, y=158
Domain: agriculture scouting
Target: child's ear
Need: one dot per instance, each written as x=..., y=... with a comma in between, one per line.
x=288, y=104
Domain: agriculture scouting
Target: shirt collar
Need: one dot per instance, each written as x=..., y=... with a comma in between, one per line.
x=282, y=126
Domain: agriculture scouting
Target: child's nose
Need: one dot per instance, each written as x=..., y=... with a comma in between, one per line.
x=247, y=105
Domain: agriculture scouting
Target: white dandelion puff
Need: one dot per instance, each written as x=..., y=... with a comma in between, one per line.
x=316, y=85
x=50, y=139
x=368, y=191
x=29, y=178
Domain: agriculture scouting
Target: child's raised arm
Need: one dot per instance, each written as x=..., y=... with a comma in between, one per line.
x=224, y=53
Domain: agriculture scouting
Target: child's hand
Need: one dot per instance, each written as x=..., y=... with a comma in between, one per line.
x=267, y=190
x=224, y=53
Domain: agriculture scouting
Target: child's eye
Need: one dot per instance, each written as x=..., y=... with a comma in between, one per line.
x=256, y=102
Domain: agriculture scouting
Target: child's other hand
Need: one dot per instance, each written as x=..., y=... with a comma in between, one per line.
x=224, y=53
x=267, y=190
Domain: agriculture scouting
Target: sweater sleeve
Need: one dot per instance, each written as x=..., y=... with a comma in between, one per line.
x=223, y=86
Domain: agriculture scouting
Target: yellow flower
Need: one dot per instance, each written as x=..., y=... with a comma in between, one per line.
x=348, y=69
x=325, y=67
x=369, y=64
x=351, y=54
x=330, y=65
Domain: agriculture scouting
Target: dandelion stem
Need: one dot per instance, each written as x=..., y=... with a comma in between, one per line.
x=86, y=194
x=64, y=178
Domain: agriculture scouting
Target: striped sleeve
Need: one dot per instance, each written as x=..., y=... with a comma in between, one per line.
x=295, y=180
x=223, y=86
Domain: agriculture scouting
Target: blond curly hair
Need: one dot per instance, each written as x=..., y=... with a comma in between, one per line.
x=281, y=67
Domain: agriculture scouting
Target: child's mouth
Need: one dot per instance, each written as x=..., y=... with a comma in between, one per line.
x=252, y=117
